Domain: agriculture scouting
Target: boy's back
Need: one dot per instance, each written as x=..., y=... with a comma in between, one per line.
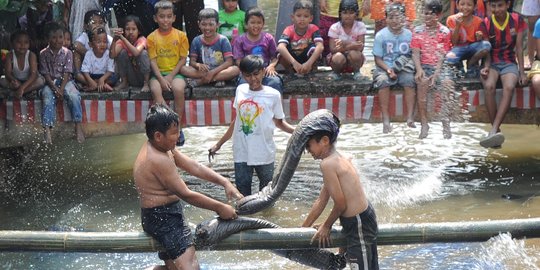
x=167, y=48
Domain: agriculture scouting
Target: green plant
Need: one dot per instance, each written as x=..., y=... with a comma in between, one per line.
x=20, y=6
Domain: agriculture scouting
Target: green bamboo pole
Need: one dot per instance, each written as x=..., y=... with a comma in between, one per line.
x=283, y=238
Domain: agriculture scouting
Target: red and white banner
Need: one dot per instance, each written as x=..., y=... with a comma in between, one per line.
x=219, y=112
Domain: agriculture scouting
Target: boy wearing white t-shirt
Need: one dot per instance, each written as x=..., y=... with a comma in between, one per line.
x=97, y=67
x=258, y=112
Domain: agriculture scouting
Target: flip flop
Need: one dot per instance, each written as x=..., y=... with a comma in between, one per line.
x=493, y=141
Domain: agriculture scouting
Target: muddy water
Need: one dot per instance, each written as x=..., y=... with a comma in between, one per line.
x=89, y=187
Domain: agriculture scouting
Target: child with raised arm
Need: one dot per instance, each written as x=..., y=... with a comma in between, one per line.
x=347, y=42
x=341, y=183
x=469, y=39
x=168, y=48
x=430, y=43
x=300, y=44
x=97, y=67
x=162, y=190
x=210, y=56
x=129, y=51
x=258, y=112
x=56, y=66
x=231, y=20
x=93, y=19
x=506, y=32
x=256, y=41
x=394, y=65
x=21, y=67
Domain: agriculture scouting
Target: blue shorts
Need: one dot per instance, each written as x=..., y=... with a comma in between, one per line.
x=244, y=174
x=467, y=51
x=361, y=234
x=166, y=224
x=505, y=68
x=381, y=79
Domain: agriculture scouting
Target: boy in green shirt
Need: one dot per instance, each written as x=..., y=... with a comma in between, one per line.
x=230, y=18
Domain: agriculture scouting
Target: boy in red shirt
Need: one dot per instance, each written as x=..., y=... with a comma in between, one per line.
x=506, y=32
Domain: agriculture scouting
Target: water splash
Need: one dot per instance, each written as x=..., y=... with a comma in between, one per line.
x=503, y=252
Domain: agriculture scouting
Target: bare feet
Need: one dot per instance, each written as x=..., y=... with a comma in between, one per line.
x=19, y=93
x=387, y=127
x=410, y=123
x=123, y=85
x=447, y=133
x=145, y=87
x=424, y=131
x=107, y=88
x=47, y=135
x=79, y=132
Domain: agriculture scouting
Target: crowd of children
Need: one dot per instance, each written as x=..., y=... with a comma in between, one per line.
x=483, y=39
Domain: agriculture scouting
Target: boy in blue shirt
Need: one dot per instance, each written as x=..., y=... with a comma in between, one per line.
x=210, y=55
x=392, y=52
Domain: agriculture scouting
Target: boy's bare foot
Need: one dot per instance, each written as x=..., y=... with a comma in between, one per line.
x=447, y=133
x=19, y=93
x=80, y=133
x=424, y=131
x=47, y=135
x=219, y=84
x=107, y=88
x=410, y=123
x=123, y=85
x=145, y=87
x=387, y=128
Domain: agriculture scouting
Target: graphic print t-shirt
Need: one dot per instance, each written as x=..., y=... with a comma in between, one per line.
x=212, y=54
x=253, y=137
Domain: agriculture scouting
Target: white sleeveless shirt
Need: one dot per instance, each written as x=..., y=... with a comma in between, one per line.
x=21, y=75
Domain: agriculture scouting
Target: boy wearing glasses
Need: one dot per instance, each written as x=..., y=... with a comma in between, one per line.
x=430, y=43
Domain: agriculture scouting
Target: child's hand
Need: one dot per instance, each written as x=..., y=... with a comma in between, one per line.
x=203, y=67
x=297, y=67
x=523, y=78
x=305, y=68
x=15, y=84
x=165, y=84
x=459, y=19
x=59, y=92
x=92, y=85
x=323, y=234
x=270, y=71
x=420, y=75
x=226, y=212
x=339, y=45
x=484, y=72
x=479, y=35
x=100, y=84
x=392, y=74
x=117, y=32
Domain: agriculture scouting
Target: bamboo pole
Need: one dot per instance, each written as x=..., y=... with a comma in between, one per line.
x=282, y=238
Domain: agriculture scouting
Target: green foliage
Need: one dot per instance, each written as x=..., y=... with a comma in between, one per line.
x=21, y=6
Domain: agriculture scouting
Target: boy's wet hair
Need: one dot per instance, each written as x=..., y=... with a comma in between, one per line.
x=331, y=134
x=253, y=12
x=18, y=33
x=137, y=21
x=96, y=32
x=351, y=5
x=394, y=7
x=208, y=13
x=251, y=63
x=435, y=6
x=164, y=4
x=303, y=4
x=159, y=118
x=53, y=27
x=91, y=13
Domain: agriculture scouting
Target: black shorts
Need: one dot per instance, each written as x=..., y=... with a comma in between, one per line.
x=166, y=224
x=361, y=234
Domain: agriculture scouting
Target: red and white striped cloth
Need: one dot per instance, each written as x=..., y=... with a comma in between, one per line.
x=219, y=112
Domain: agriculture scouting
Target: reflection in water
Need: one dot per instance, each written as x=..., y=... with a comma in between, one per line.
x=88, y=187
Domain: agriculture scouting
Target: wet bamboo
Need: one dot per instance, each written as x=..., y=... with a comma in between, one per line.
x=283, y=238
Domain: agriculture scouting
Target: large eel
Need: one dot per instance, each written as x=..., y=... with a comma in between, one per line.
x=314, y=121
x=213, y=231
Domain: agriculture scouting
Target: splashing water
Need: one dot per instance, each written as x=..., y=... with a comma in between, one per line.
x=503, y=252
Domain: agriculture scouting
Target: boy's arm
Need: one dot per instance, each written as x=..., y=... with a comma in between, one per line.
x=418, y=66
x=227, y=63
x=317, y=208
x=226, y=136
x=286, y=55
x=167, y=175
x=198, y=170
x=33, y=71
x=521, y=63
x=319, y=47
x=381, y=64
x=8, y=68
x=283, y=125
x=79, y=48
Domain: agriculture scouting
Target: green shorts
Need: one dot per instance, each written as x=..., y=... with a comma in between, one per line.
x=177, y=76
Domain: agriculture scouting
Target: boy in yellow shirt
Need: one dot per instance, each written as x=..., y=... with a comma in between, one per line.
x=168, y=49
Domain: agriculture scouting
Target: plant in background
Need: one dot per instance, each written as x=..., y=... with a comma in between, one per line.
x=20, y=6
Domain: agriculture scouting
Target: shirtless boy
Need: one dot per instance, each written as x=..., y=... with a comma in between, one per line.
x=160, y=189
x=341, y=182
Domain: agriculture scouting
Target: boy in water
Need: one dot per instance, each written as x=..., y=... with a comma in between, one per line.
x=341, y=182
x=258, y=112
x=160, y=189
